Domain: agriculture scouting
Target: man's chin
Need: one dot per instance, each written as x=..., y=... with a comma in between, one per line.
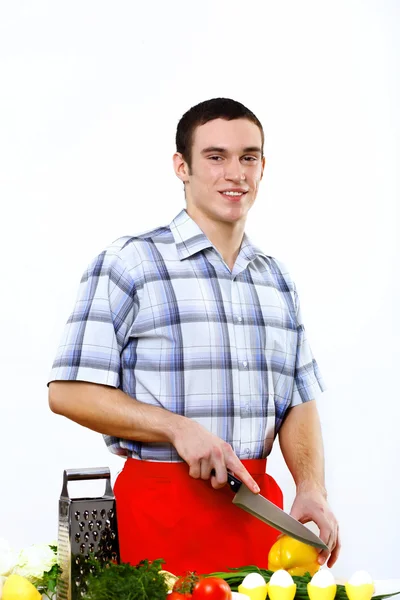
x=233, y=216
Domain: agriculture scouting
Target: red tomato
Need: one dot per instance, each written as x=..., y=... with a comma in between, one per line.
x=183, y=586
x=212, y=588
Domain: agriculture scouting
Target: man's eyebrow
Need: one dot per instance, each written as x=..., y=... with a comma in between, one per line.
x=253, y=149
x=223, y=150
x=213, y=149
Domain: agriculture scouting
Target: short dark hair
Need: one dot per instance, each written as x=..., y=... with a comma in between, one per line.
x=216, y=108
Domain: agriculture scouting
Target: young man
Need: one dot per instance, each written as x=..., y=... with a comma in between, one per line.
x=186, y=349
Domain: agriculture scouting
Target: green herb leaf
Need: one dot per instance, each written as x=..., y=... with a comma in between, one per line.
x=127, y=582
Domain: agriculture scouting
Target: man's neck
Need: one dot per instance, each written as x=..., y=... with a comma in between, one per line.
x=225, y=237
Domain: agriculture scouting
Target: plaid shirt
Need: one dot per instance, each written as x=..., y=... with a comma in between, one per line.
x=160, y=316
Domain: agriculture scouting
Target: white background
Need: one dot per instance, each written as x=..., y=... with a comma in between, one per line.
x=90, y=95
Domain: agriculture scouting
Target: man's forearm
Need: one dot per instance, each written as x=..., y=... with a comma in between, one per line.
x=112, y=412
x=300, y=440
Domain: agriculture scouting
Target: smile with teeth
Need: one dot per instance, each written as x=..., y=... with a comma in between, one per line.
x=233, y=193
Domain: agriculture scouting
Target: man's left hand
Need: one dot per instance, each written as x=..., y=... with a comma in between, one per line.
x=311, y=505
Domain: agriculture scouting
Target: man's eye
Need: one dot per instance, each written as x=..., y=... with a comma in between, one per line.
x=249, y=158
x=215, y=158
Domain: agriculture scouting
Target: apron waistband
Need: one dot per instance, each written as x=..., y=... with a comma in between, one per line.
x=133, y=466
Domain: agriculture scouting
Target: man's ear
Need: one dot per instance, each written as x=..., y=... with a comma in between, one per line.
x=181, y=167
x=262, y=167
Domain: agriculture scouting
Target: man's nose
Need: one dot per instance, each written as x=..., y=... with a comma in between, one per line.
x=234, y=171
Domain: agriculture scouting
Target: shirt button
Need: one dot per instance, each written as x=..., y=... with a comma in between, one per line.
x=247, y=451
x=239, y=319
x=244, y=363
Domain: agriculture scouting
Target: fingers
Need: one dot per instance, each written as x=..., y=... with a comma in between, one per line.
x=205, y=469
x=195, y=469
x=214, y=465
x=242, y=473
x=331, y=539
x=219, y=475
x=335, y=551
x=310, y=506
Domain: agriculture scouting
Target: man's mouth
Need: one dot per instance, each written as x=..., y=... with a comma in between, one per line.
x=233, y=194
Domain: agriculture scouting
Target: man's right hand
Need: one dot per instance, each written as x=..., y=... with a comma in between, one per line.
x=206, y=453
x=112, y=412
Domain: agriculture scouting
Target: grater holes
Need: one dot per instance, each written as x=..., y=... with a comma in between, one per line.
x=94, y=513
x=108, y=524
x=78, y=537
x=82, y=548
x=90, y=525
x=99, y=524
x=111, y=514
x=95, y=535
x=86, y=514
x=77, y=515
x=81, y=525
x=86, y=536
x=103, y=513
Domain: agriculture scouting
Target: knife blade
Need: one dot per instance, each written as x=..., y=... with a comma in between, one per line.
x=266, y=511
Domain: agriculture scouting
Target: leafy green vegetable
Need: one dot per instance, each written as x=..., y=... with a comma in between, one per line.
x=47, y=585
x=126, y=582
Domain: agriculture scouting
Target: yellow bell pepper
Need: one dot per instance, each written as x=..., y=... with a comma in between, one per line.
x=293, y=556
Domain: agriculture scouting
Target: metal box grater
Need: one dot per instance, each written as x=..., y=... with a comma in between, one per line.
x=85, y=526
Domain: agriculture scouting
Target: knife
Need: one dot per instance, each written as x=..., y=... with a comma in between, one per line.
x=266, y=511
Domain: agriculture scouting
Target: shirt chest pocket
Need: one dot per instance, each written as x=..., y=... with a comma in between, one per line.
x=280, y=359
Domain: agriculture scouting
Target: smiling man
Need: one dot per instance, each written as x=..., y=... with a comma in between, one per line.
x=186, y=349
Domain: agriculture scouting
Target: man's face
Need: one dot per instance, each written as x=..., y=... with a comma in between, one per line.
x=226, y=170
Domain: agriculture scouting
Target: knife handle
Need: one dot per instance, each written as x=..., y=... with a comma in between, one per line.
x=234, y=482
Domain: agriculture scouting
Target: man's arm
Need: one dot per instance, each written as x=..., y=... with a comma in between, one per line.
x=300, y=440
x=112, y=412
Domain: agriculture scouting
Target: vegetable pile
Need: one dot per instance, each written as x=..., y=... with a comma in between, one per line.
x=125, y=582
x=235, y=577
x=200, y=588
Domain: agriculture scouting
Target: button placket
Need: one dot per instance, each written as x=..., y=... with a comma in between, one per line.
x=235, y=333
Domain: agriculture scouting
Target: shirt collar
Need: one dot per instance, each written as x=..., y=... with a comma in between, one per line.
x=189, y=239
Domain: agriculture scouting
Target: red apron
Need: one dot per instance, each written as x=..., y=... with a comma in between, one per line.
x=164, y=513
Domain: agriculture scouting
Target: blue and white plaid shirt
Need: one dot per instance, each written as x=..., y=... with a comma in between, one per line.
x=160, y=316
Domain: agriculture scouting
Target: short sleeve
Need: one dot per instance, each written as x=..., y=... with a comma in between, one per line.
x=95, y=333
x=308, y=382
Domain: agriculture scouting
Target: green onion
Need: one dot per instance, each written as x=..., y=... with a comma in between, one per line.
x=234, y=578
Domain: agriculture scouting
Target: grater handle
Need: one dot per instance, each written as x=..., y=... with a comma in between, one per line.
x=84, y=474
